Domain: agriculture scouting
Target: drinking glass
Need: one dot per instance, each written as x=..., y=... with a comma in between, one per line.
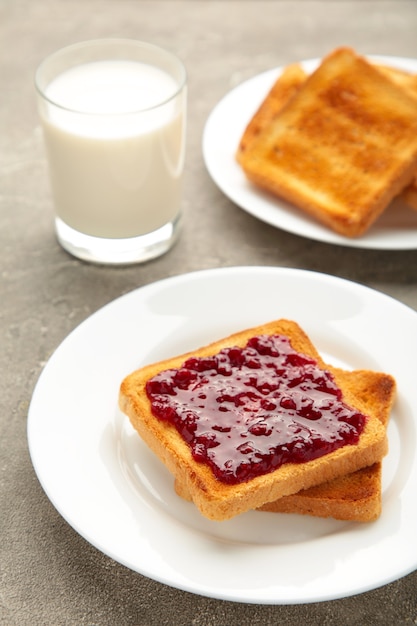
x=113, y=113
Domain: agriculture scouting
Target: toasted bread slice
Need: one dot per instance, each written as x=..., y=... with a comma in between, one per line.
x=218, y=500
x=343, y=146
x=288, y=84
x=354, y=497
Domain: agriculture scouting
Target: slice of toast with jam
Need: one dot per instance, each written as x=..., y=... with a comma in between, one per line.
x=252, y=418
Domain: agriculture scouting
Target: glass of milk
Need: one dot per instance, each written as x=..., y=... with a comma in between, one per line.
x=113, y=113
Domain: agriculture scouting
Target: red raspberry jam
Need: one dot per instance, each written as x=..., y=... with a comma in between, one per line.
x=247, y=411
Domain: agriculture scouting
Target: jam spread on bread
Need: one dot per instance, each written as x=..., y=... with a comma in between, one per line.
x=247, y=411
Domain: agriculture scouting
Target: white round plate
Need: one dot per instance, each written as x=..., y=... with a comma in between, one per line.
x=112, y=490
x=396, y=229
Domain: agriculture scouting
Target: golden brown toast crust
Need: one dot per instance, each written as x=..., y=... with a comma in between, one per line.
x=355, y=497
x=343, y=146
x=220, y=501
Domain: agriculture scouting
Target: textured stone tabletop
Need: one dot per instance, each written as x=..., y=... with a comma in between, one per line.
x=50, y=575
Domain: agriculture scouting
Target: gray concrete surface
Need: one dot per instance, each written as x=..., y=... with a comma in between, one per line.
x=49, y=574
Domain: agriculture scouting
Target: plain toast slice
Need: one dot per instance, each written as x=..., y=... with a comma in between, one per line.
x=343, y=146
x=288, y=84
x=214, y=498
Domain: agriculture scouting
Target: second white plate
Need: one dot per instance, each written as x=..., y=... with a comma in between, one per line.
x=396, y=229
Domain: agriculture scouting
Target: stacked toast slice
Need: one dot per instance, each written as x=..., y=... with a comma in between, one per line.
x=339, y=143
x=349, y=476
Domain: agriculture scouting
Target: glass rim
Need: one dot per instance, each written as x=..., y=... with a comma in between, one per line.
x=109, y=42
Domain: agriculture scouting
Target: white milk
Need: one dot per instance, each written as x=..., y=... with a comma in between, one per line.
x=116, y=168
